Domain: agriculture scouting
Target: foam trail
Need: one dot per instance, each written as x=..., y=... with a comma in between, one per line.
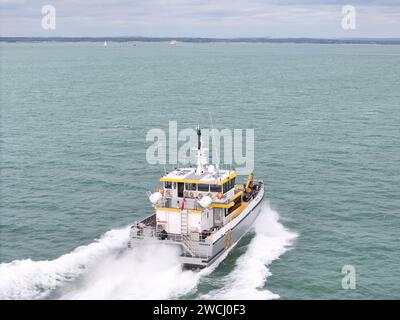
x=101, y=270
x=250, y=273
x=152, y=271
x=27, y=279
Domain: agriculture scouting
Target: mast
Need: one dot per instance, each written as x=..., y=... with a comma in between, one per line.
x=198, y=138
x=201, y=157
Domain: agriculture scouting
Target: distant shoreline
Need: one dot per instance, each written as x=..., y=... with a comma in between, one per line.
x=390, y=41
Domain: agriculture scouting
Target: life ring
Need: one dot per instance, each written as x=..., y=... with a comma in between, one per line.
x=191, y=194
x=161, y=190
x=200, y=196
x=220, y=195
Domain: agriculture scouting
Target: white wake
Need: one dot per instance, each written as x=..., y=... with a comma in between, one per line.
x=148, y=272
x=27, y=279
x=247, y=279
x=104, y=269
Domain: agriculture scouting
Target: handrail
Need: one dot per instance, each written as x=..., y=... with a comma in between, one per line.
x=141, y=233
x=185, y=240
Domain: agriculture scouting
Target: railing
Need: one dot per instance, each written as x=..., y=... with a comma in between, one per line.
x=191, y=246
x=190, y=204
x=150, y=232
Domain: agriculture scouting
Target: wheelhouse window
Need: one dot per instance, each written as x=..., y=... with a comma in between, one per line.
x=203, y=187
x=232, y=183
x=229, y=185
x=191, y=186
x=215, y=188
x=167, y=184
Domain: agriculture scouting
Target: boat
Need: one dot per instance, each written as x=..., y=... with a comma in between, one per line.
x=201, y=210
x=105, y=43
x=173, y=42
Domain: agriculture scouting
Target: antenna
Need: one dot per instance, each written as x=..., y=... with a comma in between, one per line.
x=201, y=157
x=198, y=137
x=213, y=140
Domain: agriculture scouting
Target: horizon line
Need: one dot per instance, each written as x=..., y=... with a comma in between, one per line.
x=255, y=39
x=206, y=37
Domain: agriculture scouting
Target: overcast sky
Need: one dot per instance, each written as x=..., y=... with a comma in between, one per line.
x=201, y=18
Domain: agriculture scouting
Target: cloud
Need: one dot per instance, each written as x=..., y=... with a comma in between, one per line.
x=208, y=18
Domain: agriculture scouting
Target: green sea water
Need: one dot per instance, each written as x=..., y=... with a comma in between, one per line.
x=74, y=118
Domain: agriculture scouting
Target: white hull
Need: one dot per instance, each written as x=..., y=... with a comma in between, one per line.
x=200, y=254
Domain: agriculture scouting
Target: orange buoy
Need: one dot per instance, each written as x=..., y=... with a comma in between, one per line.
x=220, y=195
x=161, y=190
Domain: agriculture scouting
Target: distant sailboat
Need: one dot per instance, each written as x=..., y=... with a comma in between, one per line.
x=105, y=43
x=172, y=42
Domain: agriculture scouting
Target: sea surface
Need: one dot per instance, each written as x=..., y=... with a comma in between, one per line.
x=74, y=174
